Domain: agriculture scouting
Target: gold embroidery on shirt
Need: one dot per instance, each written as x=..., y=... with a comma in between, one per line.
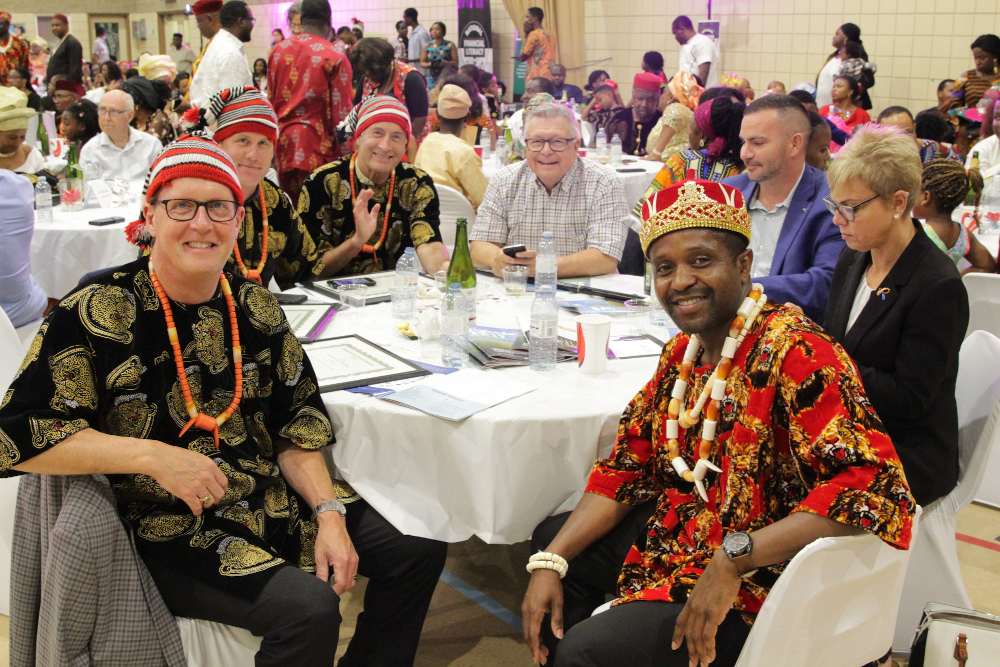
x=73, y=375
x=73, y=299
x=271, y=197
x=143, y=489
x=345, y=492
x=261, y=308
x=126, y=375
x=276, y=242
x=240, y=484
x=251, y=380
x=309, y=429
x=337, y=191
x=240, y=513
x=238, y=558
x=130, y=417
x=421, y=232
x=303, y=391
x=276, y=500
x=165, y=527
x=307, y=554
x=204, y=540
x=108, y=312
x=164, y=356
x=9, y=455
x=34, y=349
x=209, y=342
x=47, y=432
x=290, y=365
x=259, y=432
x=147, y=293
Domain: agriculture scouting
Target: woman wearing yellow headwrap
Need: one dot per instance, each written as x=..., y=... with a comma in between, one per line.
x=739, y=83
x=157, y=67
x=670, y=134
x=16, y=155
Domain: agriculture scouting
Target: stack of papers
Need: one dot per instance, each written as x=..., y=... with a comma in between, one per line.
x=500, y=348
x=449, y=396
x=595, y=306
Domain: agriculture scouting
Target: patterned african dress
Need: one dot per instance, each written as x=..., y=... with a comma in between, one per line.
x=796, y=433
x=309, y=84
x=292, y=256
x=634, y=135
x=969, y=89
x=326, y=208
x=15, y=53
x=675, y=116
x=439, y=54
x=955, y=252
x=102, y=360
x=540, y=47
x=676, y=167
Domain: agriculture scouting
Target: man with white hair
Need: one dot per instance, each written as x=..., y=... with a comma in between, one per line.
x=120, y=150
x=580, y=201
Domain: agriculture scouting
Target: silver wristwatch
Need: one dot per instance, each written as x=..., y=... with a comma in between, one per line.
x=739, y=546
x=330, y=505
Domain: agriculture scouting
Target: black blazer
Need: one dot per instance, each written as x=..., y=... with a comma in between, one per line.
x=905, y=343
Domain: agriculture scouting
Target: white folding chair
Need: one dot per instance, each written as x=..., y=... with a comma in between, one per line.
x=934, y=574
x=984, y=302
x=833, y=606
x=11, y=355
x=587, y=133
x=453, y=205
x=208, y=644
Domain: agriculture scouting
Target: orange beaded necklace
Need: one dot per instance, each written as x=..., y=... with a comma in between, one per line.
x=199, y=419
x=715, y=388
x=254, y=274
x=388, y=205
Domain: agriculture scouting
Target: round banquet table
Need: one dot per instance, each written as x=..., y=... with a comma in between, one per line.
x=635, y=182
x=498, y=473
x=63, y=250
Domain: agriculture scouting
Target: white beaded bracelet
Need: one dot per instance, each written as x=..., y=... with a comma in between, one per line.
x=548, y=561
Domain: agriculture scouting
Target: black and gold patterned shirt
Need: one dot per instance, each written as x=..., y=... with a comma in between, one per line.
x=326, y=209
x=292, y=256
x=102, y=360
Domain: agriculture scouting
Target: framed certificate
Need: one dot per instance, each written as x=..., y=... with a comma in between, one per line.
x=308, y=322
x=346, y=362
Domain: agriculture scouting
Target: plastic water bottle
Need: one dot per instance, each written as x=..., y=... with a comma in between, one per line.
x=602, y=143
x=407, y=269
x=546, y=261
x=484, y=142
x=43, y=201
x=501, y=152
x=616, y=151
x=454, y=328
x=543, y=337
x=989, y=205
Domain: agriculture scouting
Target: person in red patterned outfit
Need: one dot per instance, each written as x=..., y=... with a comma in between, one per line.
x=705, y=505
x=309, y=84
x=13, y=51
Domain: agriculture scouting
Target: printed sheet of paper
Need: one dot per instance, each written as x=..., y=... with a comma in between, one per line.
x=627, y=347
x=445, y=395
x=352, y=361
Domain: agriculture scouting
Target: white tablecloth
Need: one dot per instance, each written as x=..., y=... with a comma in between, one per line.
x=498, y=473
x=63, y=250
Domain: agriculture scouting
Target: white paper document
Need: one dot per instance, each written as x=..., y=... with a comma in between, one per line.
x=445, y=395
x=626, y=347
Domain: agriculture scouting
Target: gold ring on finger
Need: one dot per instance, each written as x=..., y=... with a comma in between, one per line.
x=206, y=500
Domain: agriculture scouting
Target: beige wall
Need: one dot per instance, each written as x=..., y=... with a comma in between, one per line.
x=915, y=43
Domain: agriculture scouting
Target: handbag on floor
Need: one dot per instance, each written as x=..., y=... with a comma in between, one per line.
x=955, y=637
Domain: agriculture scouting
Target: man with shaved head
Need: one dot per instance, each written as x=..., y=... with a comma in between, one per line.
x=795, y=244
x=120, y=150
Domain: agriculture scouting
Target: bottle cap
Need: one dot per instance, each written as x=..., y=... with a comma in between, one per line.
x=457, y=286
x=547, y=235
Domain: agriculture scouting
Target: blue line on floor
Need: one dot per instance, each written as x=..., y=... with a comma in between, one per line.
x=483, y=600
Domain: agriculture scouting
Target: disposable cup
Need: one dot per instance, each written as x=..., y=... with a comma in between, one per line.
x=592, y=335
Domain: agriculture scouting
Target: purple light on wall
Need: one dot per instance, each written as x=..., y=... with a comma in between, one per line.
x=471, y=4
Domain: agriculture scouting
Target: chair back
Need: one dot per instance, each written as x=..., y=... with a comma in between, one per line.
x=633, y=262
x=587, y=133
x=984, y=302
x=11, y=354
x=453, y=205
x=834, y=605
x=11, y=351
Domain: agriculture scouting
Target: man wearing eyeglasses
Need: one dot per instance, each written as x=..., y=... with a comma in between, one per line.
x=580, y=201
x=224, y=64
x=120, y=151
x=796, y=244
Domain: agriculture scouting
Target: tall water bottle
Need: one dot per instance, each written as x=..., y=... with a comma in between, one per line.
x=546, y=262
x=484, y=142
x=543, y=337
x=602, y=143
x=406, y=278
x=501, y=153
x=43, y=201
x=454, y=327
x=616, y=151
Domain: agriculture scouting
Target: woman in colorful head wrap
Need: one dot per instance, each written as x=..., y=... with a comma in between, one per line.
x=714, y=137
x=670, y=134
x=16, y=155
x=739, y=83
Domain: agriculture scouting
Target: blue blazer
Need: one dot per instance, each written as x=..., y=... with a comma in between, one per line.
x=808, y=246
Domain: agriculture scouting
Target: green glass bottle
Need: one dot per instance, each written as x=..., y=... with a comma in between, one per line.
x=647, y=279
x=461, y=270
x=42, y=135
x=508, y=140
x=73, y=163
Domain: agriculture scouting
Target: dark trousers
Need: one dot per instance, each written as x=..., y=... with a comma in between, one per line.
x=298, y=615
x=594, y=573
x=637, y=634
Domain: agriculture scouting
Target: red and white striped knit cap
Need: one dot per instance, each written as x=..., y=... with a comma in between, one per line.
x=241, y=109
x=382, y=109
x=191, y=156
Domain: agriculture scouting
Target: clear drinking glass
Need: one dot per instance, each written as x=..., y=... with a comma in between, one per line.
x=515, y=280
x=71, y=194
x=638, y=315
x=354, y=295
x=404, y=300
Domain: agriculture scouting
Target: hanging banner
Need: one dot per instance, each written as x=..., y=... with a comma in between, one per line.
x=475, y=34
x=520, y=68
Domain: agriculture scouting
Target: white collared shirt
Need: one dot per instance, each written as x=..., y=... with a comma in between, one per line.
x=131, y=163
x=697, y=51
x=765, y=228
x=224, y=65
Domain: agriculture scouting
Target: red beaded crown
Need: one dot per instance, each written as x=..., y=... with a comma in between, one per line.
x=690, y=204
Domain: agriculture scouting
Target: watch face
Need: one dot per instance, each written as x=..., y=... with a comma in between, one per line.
x=736, y=542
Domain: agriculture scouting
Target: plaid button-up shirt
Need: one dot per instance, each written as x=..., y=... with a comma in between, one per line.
x=586, y=209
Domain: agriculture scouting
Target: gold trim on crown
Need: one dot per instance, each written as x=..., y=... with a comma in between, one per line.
x=694, y=209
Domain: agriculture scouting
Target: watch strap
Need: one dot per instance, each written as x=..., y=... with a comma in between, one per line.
x=333, y=505
x=744, y=565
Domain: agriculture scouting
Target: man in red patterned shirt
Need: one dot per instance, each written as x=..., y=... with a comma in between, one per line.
x=309, y=83
x=13, y=51
x=789, y=450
